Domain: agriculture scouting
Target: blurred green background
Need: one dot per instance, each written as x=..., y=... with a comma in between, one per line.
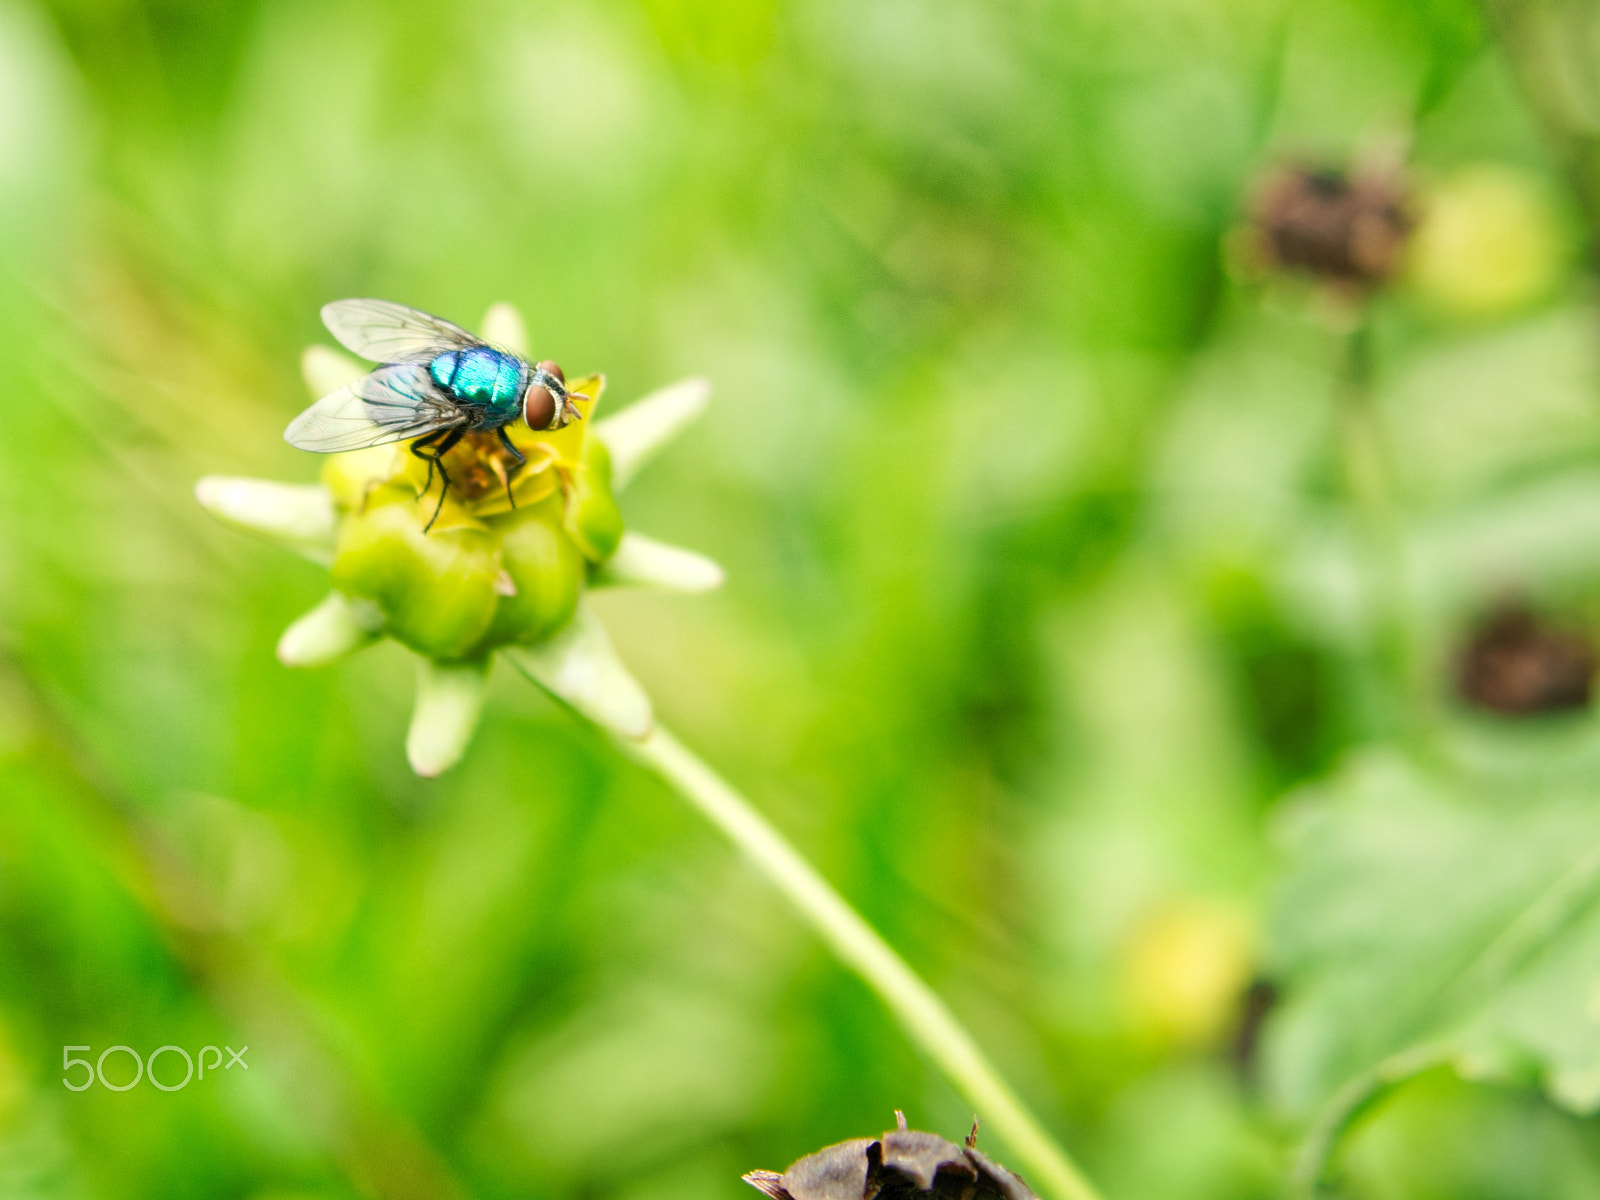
x=1045, y=587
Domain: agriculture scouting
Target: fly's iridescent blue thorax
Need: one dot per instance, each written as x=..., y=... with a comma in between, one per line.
x=483, y=380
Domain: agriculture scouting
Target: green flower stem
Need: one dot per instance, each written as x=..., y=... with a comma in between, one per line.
x=920, y=1012
x=1369, y=476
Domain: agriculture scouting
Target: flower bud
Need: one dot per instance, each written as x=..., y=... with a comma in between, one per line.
x=1488, y=243
x=1184, y=968
x=595, y=520
x=435, y=589
x=505, y=558
x=495, y=561
x=543, y=570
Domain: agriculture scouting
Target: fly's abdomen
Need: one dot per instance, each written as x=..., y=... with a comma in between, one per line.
x=484, y=381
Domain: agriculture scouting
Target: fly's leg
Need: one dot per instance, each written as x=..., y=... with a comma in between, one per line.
x=436, y=459
x=516, y=454
x=417, y=447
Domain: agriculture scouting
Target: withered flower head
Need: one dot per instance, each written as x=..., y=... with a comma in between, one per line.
x=903, y=1163
x=1519, y=664
x=1347, y=229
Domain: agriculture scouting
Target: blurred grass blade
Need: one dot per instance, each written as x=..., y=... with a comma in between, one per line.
x=635, y=434
x=644, y=562
x=299, y=516
x=449, y=699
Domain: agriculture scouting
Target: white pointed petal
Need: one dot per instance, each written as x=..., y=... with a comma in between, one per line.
x=579, y=666
x=635, y=434
x=642, y=561
x=334, y=628
x=449, y=699
x=327, y=370
x=503, y=326
x=299, y=516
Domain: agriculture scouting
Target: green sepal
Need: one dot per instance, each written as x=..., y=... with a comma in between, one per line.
x=436, y=590
x=592, y=515
x=579, y=667
x=449, y=701
x=336, y=627
x=503, y=326
x=353, y=476
x=543, y=570
x=294, y=515
x=636, y=434
x=644, y=562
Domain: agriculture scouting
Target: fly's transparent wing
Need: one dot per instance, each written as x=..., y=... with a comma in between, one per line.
x=392, y=333
x=390, y=405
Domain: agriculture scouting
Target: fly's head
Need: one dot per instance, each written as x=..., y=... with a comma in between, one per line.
x=547, y=404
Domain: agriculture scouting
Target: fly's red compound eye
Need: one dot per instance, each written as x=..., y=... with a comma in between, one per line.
x=538, y=406
x=550, y=368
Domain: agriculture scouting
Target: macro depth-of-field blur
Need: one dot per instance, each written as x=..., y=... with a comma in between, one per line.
x=1184, y=663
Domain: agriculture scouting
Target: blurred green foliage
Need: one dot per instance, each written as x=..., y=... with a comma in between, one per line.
x=1045, y=588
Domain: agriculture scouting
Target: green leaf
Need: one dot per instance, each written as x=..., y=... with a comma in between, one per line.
x=1428, y=919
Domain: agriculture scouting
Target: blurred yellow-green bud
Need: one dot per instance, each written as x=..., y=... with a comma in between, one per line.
x=1184, y=970
x=1488, y=242
x=505, y=558
x=503, y=566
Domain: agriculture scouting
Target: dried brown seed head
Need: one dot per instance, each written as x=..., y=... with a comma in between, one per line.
x=770, y=1182
x=1347, y=230
x=902, y=1164
x=923, y=1157
x=1519, y=664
